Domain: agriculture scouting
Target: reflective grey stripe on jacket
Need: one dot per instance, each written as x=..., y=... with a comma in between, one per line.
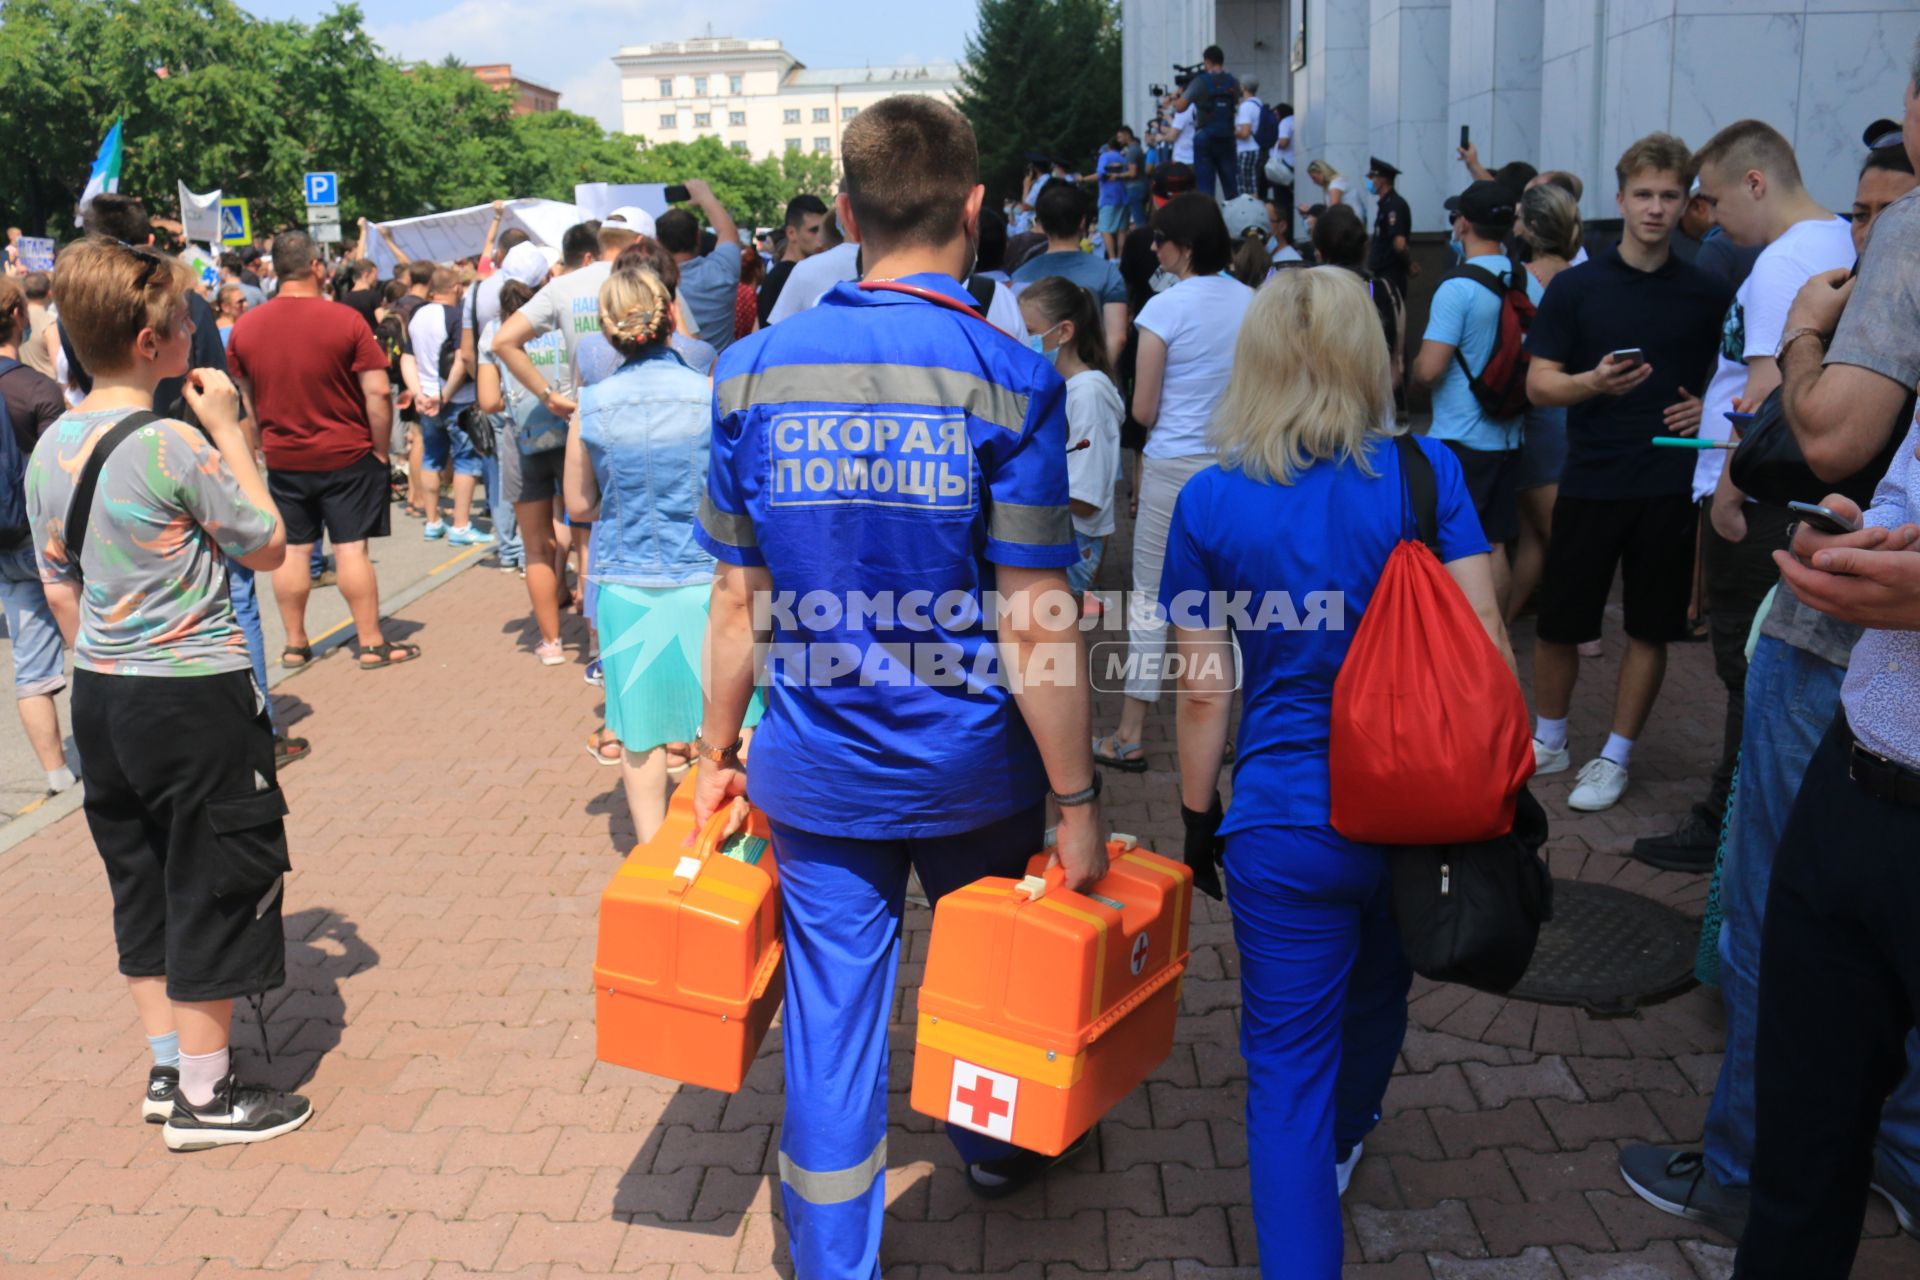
x=1030, y=526
x=834, y=1186
x=871, y=384
x=724, y=527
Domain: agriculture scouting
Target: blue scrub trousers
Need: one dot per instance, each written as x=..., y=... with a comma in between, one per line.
x=246, y=611
x=840, y=904
x=1323, y=989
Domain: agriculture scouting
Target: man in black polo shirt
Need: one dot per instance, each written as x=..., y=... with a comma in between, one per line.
x=1623, y=502
x=1387, y=256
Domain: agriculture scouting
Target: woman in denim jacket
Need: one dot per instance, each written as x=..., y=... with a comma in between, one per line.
x=636, y=466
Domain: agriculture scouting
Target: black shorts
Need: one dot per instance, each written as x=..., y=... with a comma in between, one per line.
x=1493, y=482
x=351, y=503
x=1650, y=539
x=186, y=815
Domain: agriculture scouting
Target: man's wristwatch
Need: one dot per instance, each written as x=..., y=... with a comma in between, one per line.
x=1074, y=799
x=719, y=757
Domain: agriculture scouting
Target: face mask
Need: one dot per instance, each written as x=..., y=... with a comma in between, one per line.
x=1038, y=341
x=1370, y=188
x=1458, y=250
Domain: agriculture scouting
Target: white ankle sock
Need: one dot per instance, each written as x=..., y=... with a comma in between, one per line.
x=200, y=1074
x=1618, y=749
x=1551, y=733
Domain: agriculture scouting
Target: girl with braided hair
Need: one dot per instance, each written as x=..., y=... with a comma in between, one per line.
x=636, y=466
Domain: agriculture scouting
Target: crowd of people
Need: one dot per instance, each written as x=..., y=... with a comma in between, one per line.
x=906, y=391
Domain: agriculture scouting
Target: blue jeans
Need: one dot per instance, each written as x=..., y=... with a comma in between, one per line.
x=442, y=441
x=1323, y=986
x=316, y=560
x=1082, y=572
x=840, y=906
x=1215, y=158
x=1791, y=700
x=39, y=657
x=246, y=610
x=506, y=529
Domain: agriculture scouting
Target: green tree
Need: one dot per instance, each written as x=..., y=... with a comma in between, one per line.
x=214, y=97
x=1040, y=75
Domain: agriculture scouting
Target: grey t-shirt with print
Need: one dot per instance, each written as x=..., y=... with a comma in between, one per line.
x=167, y=514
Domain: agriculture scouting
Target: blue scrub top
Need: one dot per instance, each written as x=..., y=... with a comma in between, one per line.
x=1308, y=556
x=882, y=443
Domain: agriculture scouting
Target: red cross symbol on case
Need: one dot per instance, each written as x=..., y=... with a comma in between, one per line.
x=982, y=1100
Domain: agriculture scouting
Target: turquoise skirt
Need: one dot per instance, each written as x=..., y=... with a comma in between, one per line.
x=651, y=641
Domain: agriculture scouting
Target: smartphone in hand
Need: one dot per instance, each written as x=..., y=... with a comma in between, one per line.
x=1631, y=357
x=1825, y=519
x=677, y=193
x=1464, y=143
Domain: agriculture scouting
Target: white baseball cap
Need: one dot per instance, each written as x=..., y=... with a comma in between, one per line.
x=1244, y=214
x=526, y=263
x=632, y=217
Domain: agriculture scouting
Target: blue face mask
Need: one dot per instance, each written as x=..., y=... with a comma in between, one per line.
x=1038, y=341
x=1371, y=190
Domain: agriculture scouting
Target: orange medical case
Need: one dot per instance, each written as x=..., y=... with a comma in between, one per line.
x=1042, y=1008
x=686, y=976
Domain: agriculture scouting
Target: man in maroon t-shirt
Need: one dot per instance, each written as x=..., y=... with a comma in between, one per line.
x=318, y=383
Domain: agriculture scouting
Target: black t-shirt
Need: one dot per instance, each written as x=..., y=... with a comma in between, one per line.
x=404, y=306
x=34, y=403
x=365, y=301
x=770, y=287
x=1674, y=315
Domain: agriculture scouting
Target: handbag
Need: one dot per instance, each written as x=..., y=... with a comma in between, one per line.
x=1768, y=465
x=1471, y=912
x=478, y=429
x=1429, y=740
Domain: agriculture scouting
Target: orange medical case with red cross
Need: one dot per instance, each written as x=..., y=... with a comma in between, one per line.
x=1042, y=1008
x=687, y=973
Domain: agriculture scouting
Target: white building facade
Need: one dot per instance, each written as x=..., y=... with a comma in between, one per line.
x=754, y=95
x=1562, y=84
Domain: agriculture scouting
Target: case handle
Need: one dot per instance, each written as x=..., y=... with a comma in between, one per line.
x=688, y=868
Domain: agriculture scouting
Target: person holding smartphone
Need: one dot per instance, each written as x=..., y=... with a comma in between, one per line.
x=189, y=822
x=1623, y=503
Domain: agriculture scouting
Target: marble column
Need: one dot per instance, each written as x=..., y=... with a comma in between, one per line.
x=1493, y=83
x=1158, y=33
x=1258, y=43
x=1407, y=102
x=1331, y=93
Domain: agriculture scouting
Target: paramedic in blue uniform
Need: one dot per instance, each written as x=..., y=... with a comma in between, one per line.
x=890, y=441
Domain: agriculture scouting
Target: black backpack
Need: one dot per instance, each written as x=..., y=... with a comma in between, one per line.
x=449, y=345
x=14, y=525
x=1214, y=113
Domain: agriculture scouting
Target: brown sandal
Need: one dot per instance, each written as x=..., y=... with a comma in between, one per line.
x=391, y=654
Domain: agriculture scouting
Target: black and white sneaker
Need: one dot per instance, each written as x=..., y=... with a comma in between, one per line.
x=236, y=1113
x=163, y=1086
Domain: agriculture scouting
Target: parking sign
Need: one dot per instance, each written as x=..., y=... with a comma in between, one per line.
x=323, y=188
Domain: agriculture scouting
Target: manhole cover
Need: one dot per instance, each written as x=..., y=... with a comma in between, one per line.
x=1608, y=950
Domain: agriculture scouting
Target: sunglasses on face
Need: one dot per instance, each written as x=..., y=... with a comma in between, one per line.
x=1159, y=238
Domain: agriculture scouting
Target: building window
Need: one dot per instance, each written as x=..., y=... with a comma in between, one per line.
x=848, y=113
x=703, y=120
x=699, y=86
x=793, y=145
x=736, y=84
x=737, y=118
x=739, y=146
x=824, y=145
x=790, y=116
x=668, y=121
x=821, y=115
x=666, y=86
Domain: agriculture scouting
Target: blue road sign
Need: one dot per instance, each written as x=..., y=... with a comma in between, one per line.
x=323, y=188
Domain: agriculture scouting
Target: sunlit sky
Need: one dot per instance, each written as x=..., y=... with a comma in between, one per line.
x=569, y=46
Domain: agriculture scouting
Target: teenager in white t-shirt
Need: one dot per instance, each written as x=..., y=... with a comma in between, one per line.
x=1246, y=147
x=1187, y=338
x=1179, y=131
x=1064, y=321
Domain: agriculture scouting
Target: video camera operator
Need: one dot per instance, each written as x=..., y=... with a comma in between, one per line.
x=1214, y=97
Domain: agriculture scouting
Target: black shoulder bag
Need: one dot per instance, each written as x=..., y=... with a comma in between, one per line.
x=1768, y=464
x=475, y=425
x=1468, y=913
x=80, y=508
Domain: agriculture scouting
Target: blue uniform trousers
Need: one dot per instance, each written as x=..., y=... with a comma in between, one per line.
x=1323, y=989
x=840, y=903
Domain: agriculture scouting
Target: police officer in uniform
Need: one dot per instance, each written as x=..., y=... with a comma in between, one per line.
x=881, y=465
x=1387, y=256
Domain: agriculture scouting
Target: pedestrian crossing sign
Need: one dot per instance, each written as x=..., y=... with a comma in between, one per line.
x=236, y=224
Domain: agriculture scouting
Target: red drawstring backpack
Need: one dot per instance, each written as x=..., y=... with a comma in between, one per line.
x=1430, y=741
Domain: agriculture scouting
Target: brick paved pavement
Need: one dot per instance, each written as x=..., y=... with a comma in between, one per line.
x=450, y=840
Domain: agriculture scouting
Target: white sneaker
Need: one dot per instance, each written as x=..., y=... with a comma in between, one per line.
x=1601, y=782
x=1343, y=1172
x=1548, y=759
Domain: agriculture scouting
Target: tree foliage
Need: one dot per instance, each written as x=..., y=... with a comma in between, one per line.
x=1040, y=75
x=215, y=97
